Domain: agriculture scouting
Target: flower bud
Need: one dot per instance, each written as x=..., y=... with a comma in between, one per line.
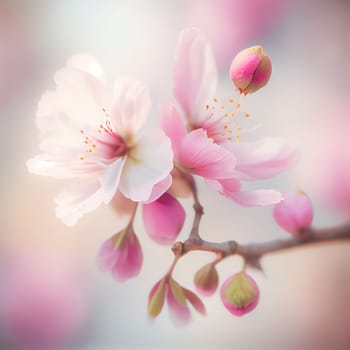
x=122, y=255
x=294, y=213
x=206, y=280
x=240, y=294
x=250, y=70
x=163, y=219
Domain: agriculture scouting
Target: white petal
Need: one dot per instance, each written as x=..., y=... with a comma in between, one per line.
x=82, y=97
x=131, y=106
x=148, y=163
x=111, y=177
x=86, y=63
x=79, y=198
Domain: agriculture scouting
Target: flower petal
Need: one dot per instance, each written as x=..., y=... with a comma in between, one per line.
x=111, y=177
x=173, y=126
x=130, y=260
x=179, y=313
x=82, y=98
x=87, y=63
x=108, y=255
x=131, y=106
x=159, y=188
x=195, y=74
x=149, y=162
x=264, y=158
x=203, y=157
x=163, y=219
x=257, y=197
x=195, y=301
x=79, y=198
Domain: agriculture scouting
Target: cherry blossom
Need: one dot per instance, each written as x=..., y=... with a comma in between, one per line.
x=213, y=129
x=95, y=136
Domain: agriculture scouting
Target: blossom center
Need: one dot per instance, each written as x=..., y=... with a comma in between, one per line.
x=225, y=121
x=105, y=142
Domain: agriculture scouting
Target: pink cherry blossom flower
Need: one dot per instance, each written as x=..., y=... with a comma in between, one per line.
x=294, y=212
x=198, y=154
x=177, y=298
x=95, y=136
x=163, y=218
x=122, y=255
x=195, y=84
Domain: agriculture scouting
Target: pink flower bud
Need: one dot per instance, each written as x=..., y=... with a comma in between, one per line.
x=294, y=213
x=240, y=294
x=122, y=255
x=163, y=219
x=177, y=298
x=250, y=70
x=206, y=280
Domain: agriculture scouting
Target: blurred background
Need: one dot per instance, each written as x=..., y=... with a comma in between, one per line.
x=52, y=295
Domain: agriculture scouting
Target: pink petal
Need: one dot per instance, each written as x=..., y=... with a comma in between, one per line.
x=163, y=219
x=195, y=74
x=257, y=197
x=294, y=212
x=148, y=163
x=159, y=188
x=107, y=256
x=173, y=126
x=79, y=198
x=179, y=313
x=203, y=157
x=131, y=106
x=264, y=158
x=195, y=301
x=227, y=187
x=130, y=260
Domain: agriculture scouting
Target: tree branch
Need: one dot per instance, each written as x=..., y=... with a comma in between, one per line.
x=254, y=251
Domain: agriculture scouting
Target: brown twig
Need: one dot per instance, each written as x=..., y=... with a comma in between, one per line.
x=253, y=252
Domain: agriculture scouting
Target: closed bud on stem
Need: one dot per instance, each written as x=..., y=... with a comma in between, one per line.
x=163, y=219
x=294, y=213
x=121, y=255
x=240, y=294
x=206, y=280
x=250, y=70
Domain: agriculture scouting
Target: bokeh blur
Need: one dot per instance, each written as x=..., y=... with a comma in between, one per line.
x=52, y=295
